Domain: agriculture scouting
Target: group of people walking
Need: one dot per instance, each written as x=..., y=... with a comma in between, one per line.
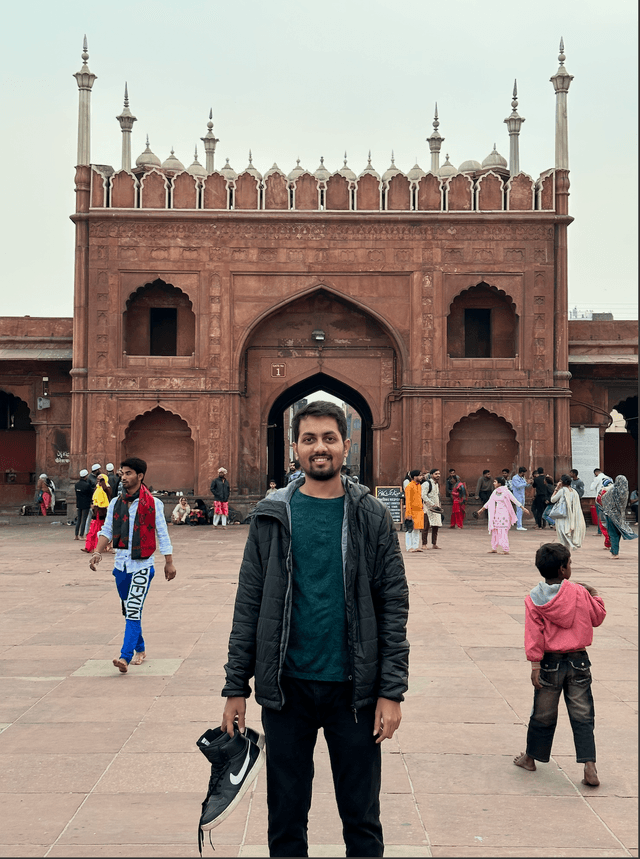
x=556, y=505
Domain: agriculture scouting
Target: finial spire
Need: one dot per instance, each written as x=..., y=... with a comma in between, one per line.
x=514, y=123
x=85, y=80
x=209, y=141
x=435, y=141
x=561, y=82
x=126, y=120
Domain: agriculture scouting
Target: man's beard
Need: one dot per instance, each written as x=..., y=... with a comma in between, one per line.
x=325, y=474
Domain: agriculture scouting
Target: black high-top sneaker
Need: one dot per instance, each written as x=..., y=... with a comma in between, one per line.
x=235, y=763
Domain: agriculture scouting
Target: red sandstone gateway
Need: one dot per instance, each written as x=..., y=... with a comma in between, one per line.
x=433, y=303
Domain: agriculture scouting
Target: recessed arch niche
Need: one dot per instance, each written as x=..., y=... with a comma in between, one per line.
x=482, y=440
x=17, y=448
x=159, y=320
x=482, y=323
x=163, y=439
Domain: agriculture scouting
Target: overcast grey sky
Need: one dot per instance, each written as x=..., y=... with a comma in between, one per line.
x=308, y=79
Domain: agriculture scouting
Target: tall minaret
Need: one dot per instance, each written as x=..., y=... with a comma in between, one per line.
x=85, y=80
x=435, y=141
x=209, y=141
x=561, y=82
x=126, y=120
x=514, y=121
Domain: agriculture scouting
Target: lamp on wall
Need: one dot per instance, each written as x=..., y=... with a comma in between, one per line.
x=318, y=334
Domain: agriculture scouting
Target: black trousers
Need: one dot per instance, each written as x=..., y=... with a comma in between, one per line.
x=568, y=674
x=291, y=735
x=81, y=520
x=537, y=508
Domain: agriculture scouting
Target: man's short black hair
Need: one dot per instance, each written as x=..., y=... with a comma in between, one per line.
x=452, y=471
x=433, y=470
x=320, y=409
x=486, y=471
x=550, y=557
x=134, y=462
x=506, y=469
x=574, y=471
x=414, y=473
x=596, y=470
x=541, y=470
x=522, y=469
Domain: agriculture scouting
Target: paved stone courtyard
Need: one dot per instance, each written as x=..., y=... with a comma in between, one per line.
x=95, y=763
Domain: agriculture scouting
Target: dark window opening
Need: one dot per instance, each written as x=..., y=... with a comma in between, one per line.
x=477, y=333
x=14, y=413
x=163, y=330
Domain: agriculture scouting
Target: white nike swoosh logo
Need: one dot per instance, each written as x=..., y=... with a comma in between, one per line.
x=236, y=779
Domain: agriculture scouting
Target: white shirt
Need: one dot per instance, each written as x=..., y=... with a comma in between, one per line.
x=596, y=486
x=123, y=560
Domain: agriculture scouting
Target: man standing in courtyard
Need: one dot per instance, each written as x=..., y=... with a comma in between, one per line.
x=320, y=620
x=131, y=523
x=220, y=490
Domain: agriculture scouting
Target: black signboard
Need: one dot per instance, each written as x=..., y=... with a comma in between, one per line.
x=391, y=496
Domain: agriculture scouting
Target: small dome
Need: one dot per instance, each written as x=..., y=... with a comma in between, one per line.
x=469, y=166
x=228, y=172
x=148, y=159
x=346, y=171
x=322, y=173
x=447, y=168
x=273, y=169
x=391, y=171
x=251, y=169
x=297, y=171
x=494, y=159
x=416, y=173
x=172, y=163
x=196, y=169
x=369, y=169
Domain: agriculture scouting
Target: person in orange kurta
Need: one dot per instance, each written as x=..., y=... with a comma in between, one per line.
x=414, y=511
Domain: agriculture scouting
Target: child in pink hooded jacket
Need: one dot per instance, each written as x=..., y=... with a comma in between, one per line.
x=559, y=619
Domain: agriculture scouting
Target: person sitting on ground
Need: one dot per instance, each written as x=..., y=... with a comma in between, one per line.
x=559, y=619
x=181, y=511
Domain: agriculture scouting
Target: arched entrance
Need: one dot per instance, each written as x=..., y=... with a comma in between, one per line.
x=478, y=441
x=302, y=389
x=319, y=340
x=621, y=442
x=17, y=450
x=164, y=441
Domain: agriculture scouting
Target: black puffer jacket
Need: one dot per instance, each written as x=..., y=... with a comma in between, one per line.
x=377, y=601
x=220, y=489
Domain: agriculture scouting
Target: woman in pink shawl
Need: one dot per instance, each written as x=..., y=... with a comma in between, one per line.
x=501, y=515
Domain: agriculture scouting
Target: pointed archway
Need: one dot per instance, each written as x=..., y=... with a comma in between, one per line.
x=163, y=439
x=482, y=440
x=302, y=389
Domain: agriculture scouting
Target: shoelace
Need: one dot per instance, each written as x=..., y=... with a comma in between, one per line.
x=216, y=775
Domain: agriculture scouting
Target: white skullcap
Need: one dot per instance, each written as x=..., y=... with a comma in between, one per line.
x=42, y=476
x=95, y=466
x=83, y=472
x=109, y=466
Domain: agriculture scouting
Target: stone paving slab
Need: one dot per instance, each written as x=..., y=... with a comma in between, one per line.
x=98, y=764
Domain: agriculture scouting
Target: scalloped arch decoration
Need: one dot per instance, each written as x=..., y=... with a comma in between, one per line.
x=148, y=285
x=483, y=283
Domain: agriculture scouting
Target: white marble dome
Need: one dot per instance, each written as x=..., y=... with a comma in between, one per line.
x=494, y=159
x=469, y=166
x=172, y=163
x=147, y=158
x=447, y=169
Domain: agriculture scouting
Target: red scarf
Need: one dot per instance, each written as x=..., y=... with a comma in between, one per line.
x=143, y=544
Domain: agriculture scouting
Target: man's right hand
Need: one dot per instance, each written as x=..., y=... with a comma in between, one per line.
x=235, y=708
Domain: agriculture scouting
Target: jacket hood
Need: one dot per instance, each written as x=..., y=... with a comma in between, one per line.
x=559, y=607
x=276, y=504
